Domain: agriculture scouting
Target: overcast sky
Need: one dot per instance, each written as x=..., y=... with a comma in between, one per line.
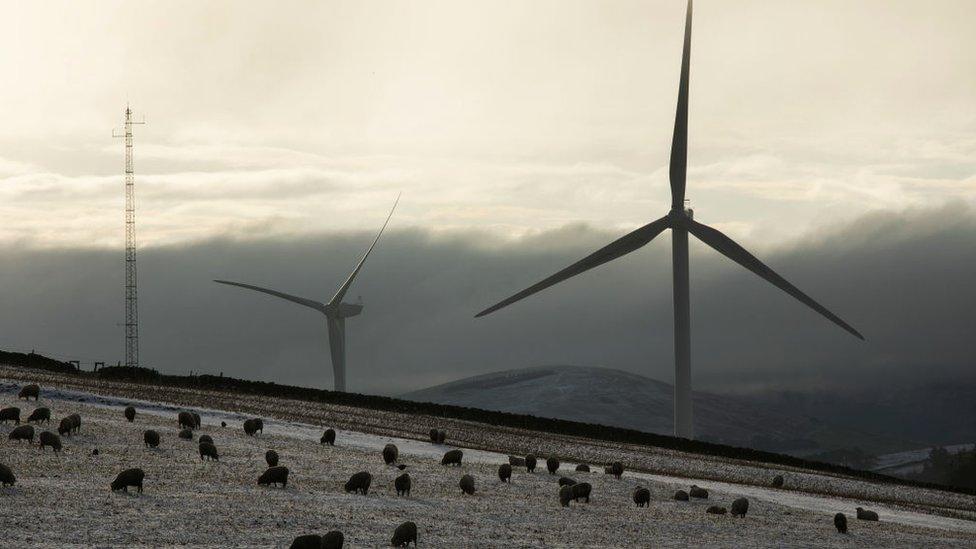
x=293, y=125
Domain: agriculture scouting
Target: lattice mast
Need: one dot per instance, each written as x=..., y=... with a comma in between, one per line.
x=131, y=314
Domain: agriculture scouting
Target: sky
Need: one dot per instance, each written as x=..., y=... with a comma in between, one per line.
x=515, y=131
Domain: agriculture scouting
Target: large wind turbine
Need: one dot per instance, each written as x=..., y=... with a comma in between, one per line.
x=680, y=221
x=336, y=312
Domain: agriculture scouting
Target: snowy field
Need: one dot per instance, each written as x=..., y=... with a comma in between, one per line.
x=63, y=500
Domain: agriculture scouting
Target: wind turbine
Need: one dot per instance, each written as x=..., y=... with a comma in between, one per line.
x=680, y=221
x=336, y=312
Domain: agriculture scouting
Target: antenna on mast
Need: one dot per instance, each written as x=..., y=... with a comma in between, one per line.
x=131, y=314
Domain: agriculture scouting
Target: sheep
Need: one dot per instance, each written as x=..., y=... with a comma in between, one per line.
x=530, y=463
x=253, y=425
x=516, y=461
x=864, y=514
x=552, y=464
x=617, y=469
x=205, y=438
x=185, y=420
x=47, y=438
x=715, y=510
x=402, y=485
x=130, y=413
x=404, y=534
x=39, y=415
x=697, y=492
x=150, y=438
x=840, y=522
x=390, y=454
x=778, y=481
x=7, y=477
x=186, y=434
x=433, y=436
x=566, y=481
x=22, y=432
x=333, y=540
x=740, y=507
x=505, y=472
x=274, y=475
x=207, y=449
x=441, y=436
x=10, y=414
x=642, y=496
x=271, y=457
x=452, y=457
x=129, y=477
x=467, y=484
x=583, y=468
x=359, y=483
x=581, y=491
x=28, y=391
x=76, y=420
x=328, y=437
x=681, y=495
x=565, y=495
x=308, y=541
x=66, y=425
x=196, y=420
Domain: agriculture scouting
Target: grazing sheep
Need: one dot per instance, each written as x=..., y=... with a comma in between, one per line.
x=207, y=449
x=390, y=454
x=274, y=475
x=452, y=457
x=39, y=415
x=840, y=522
x=778, y=481
x=130, y=413
x=583, y=468
x=10, y=413
x=516, y=461
x=328, y=437
x=359, y=483
x=28, y=391
x=441, y=436
x=76, y=420
x=47, y=438
x=253, y=425
x=697, y=492
x=566, y=481
x=186, y=434
x=467, y=484
x=129, y=477
x=186, y=420
x=681, y=495
x=402, y=485
x=740, y=507
x=150, y=438
x=66, y=425
x=196, y=420
x=404, y=534
x=22, y=432
x=433, y=436
x=530, y=463
x=642, y=496
x=308, y=541
x=581, y=491
x=617, y=469
x=715, y=510
x=205, y=438
x=7, y=477
x=864, y=514
x=552, y=464
x=333, y=540
x=271, y=457
x=505, y=472
x=565, y=495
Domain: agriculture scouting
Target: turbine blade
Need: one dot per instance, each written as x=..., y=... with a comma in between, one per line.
x=730, y=249
x=337, y=298
x=294, y=299
x=620, y=247
x=679, y=141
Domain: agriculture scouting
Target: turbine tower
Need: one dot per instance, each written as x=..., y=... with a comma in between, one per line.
x=680, y=221
x=336, y=312
x=131, y=322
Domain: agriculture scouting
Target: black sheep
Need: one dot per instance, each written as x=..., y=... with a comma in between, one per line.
x=150, y=438
x=433, y=436
x=196, y=420
x=697, y=492
x=7, y=477
x=441, y=436
x=565, y=495
x=390, y=454
x=404, y=534
x=583, y=468
x=552, y=464
x=47, y=438
x=681, y=495
x=402, y=485
x=39, y=415
x=271, y=457
x=253, y=425
x=28, y=391
x=130, y=413
x=359, y=483
x=778, y=481
x=581, y=491
x=452, y=457
x=516, y=461
x=467, y=484
x=208, y=450
x=129, y=477
x=715, y=510
x=308, y=541
x=505, y=472
x=333, y=540
x=642, y=496
x=186, y=434
x=66, y=425
x=11, y=413
x=864, y=514
x=328, y=437
x=205, y=438
x=22, y=432
x=76, y=421
x=185, y=420
x=840, y=522
x=740, y=507
x=617, y=469
x=274, y=475
x=566, y=481
x=530, y=463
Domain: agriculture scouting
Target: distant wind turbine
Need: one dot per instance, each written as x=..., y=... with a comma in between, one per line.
x=336, y=312
x=680, y=221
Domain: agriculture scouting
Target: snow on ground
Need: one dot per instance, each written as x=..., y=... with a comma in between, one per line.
x=65, y=499
x=912, y=461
